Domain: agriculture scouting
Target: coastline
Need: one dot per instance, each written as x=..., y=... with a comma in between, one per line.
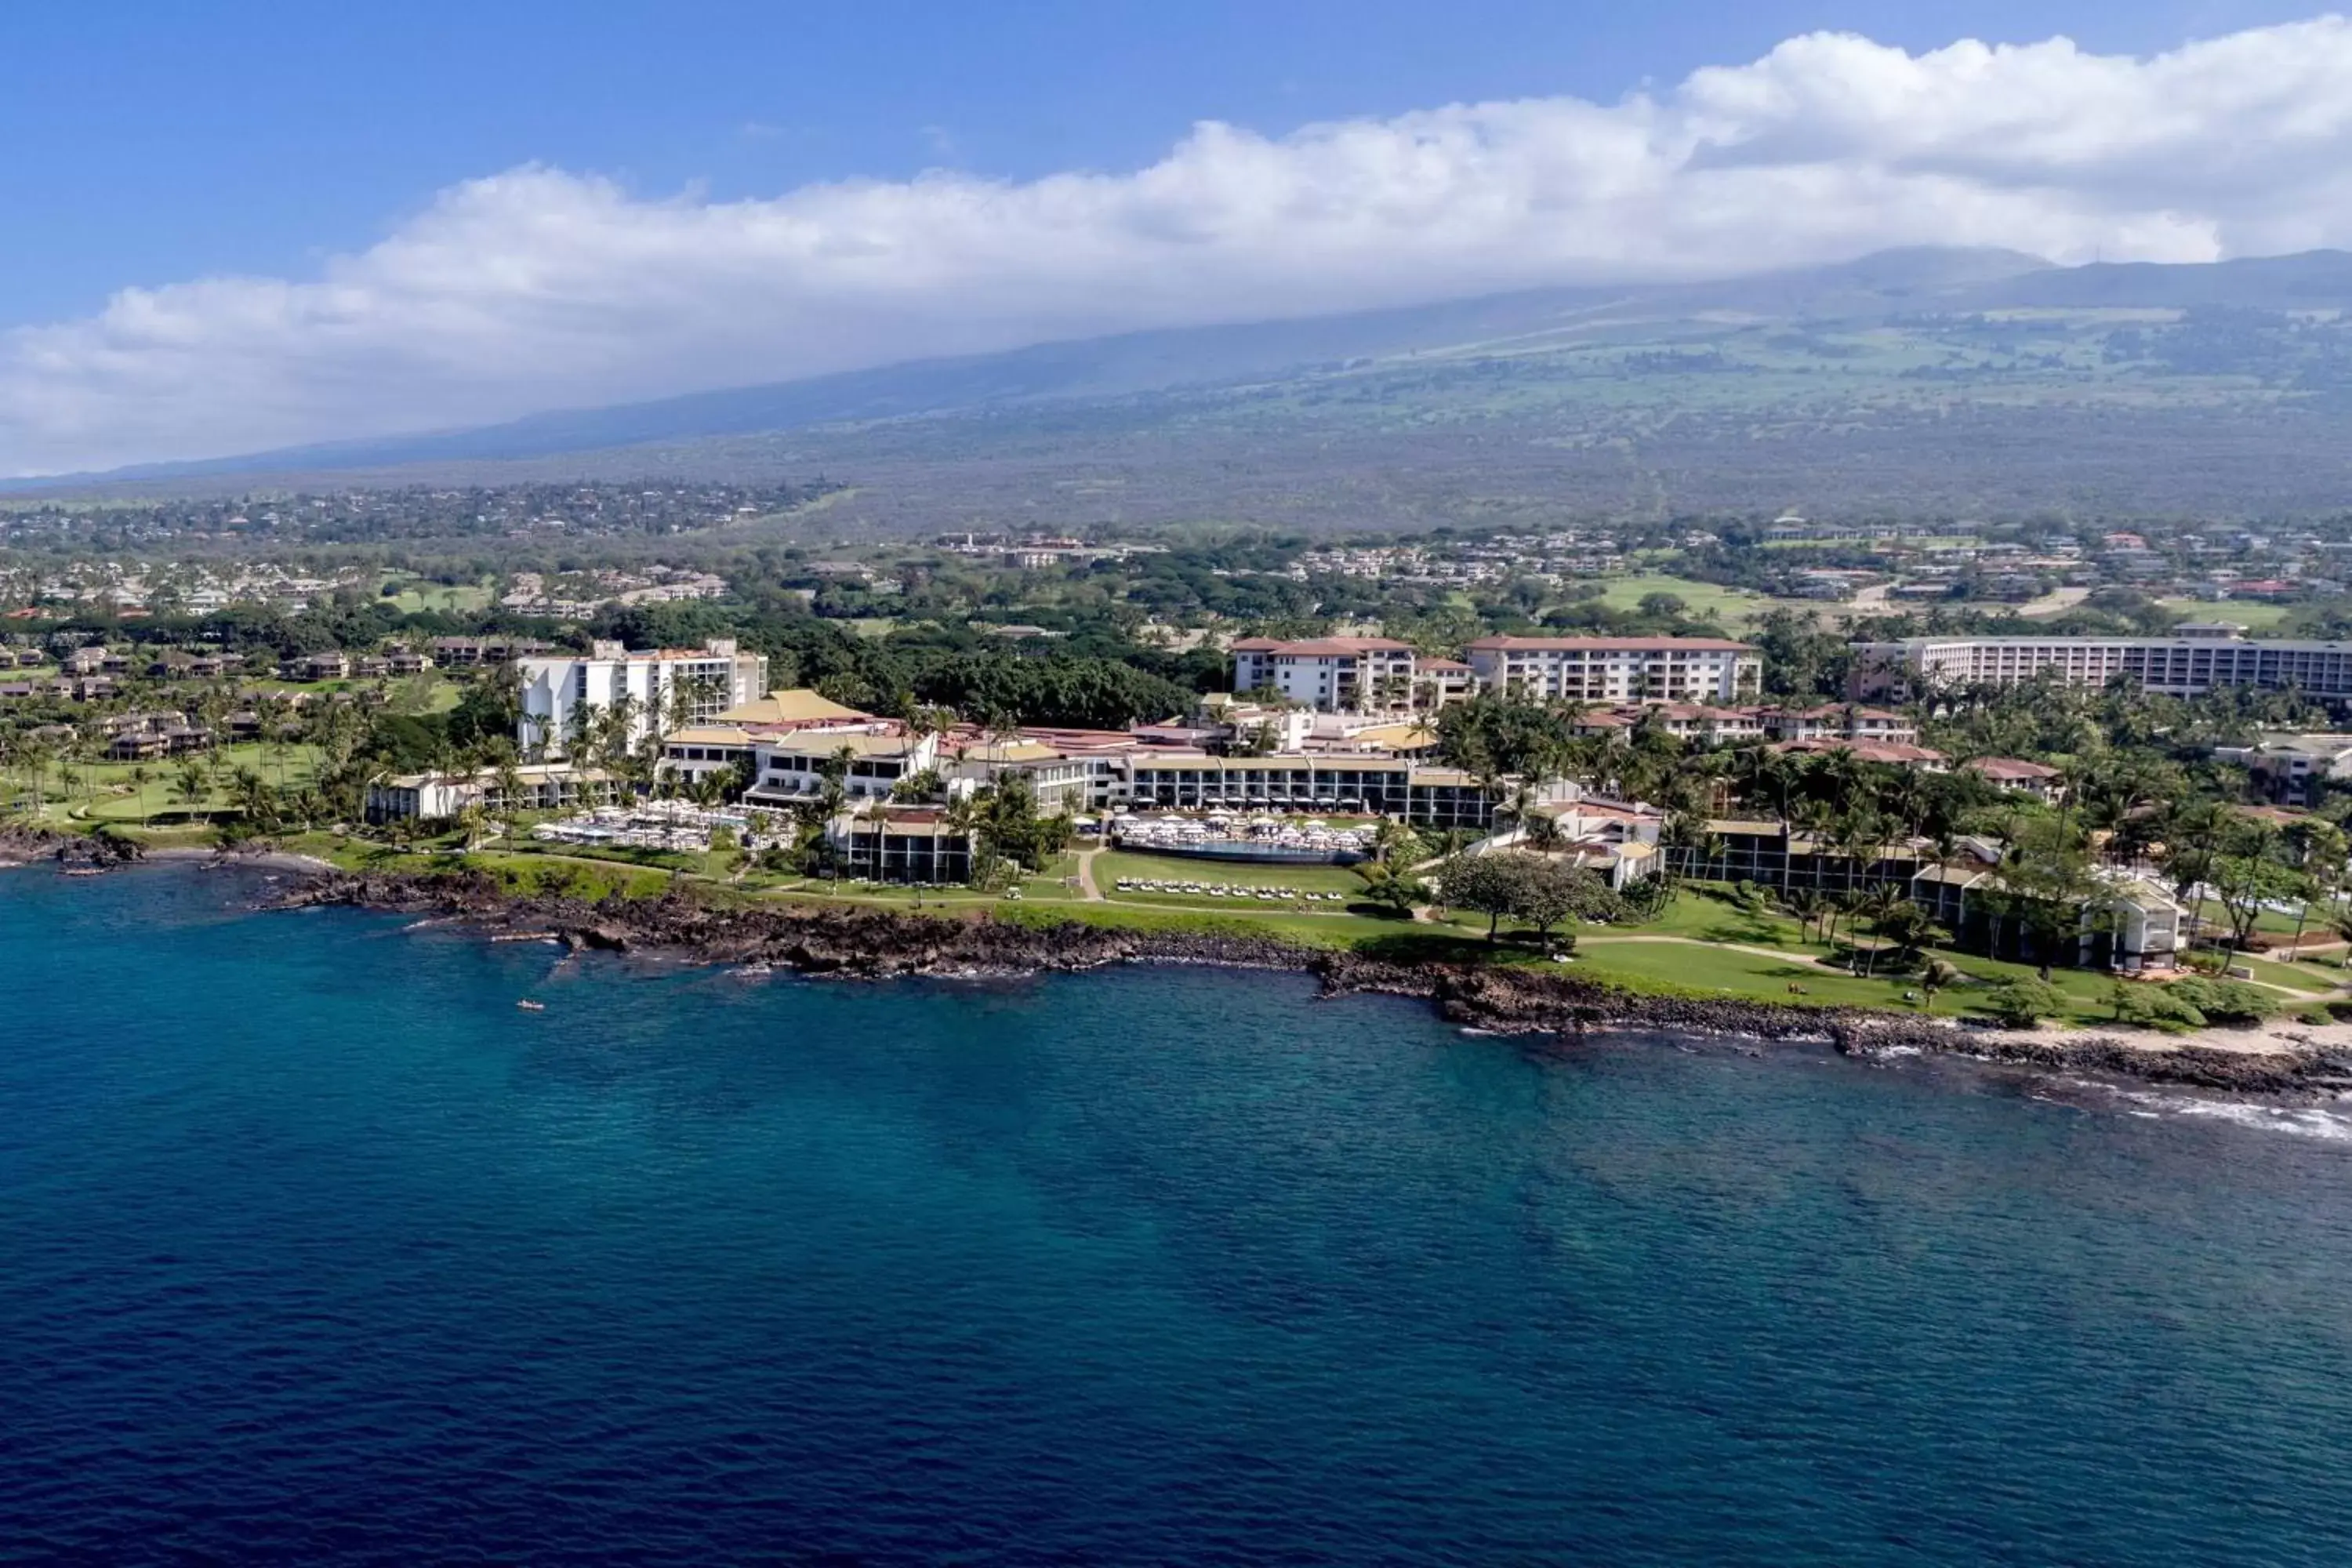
x=2282, y=1059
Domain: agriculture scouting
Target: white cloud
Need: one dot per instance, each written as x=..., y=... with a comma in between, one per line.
x=539, y=288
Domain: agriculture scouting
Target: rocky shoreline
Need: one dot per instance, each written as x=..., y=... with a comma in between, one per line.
x=865, y=944
x=22, y=846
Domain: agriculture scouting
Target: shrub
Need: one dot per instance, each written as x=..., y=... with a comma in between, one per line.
x=2226, y=1001
x=2155, y=1007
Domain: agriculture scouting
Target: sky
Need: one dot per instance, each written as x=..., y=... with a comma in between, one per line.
x=250, y=223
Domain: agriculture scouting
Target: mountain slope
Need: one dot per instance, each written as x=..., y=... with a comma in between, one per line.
x=1959, y=381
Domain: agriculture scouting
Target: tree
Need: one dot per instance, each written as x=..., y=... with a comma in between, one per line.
x=1489, y=885
x=1904, y=926
x=1549, y=891
x=2247, y=872
x=2048, y=877
x=2020, y=1003
x=2321, y=849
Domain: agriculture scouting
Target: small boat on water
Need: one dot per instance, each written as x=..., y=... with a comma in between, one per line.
x=528, y=1005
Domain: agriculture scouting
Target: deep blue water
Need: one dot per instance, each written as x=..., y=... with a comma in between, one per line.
x=314, y=1249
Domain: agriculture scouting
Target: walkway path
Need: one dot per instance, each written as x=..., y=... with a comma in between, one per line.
x=1086, y=889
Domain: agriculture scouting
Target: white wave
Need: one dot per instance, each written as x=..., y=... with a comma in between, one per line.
x=2300, y=1120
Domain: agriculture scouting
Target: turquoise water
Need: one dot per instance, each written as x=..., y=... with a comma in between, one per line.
x=313, y=1248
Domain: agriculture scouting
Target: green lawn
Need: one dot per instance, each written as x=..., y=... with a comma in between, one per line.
x=112, y=792
x=2303, y=976
x=1113, y=863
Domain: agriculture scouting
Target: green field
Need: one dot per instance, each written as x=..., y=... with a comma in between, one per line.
x=1735, y=607
x=2253, y=615
x=416, y=598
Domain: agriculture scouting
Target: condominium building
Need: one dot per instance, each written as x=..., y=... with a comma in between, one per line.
x=659, y=690
x=2192, y=661
x=1331, y=675
x=1617, y=669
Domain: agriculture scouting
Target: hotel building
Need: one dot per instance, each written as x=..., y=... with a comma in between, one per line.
x=1617, y=669
x=662, y=687
x=1331, y=675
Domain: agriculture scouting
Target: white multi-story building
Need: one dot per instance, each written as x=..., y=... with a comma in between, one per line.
x=662, y=689
x=2193, y=660
x=1617, y=669
x=1331, y=675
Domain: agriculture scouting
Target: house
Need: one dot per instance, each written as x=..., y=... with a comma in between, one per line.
x=1836, y=722
x=1886, y=753
x=330, y=666
x=465, y=652
x=2016, y=774
x=142, y=737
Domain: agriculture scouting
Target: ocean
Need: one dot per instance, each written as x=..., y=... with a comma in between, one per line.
x=315, y=1248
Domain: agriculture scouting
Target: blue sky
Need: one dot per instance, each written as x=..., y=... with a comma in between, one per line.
x=235, y=225
x=161, y=140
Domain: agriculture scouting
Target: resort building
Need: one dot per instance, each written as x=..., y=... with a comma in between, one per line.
x=1617, y=669
x=1056, y=781
x=657, y=690
x=730, y=739
x=1373, y=786
x=2191, y=661
x=901, y=844
x=436, y=797
x=870, y=761
x=1331, y=675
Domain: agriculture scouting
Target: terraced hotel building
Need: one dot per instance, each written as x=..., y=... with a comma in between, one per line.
x=2193, y=660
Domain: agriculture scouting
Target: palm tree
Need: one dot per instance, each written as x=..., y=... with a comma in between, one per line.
x=1807, y=907
x=1934, y=976
x=189, y=786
